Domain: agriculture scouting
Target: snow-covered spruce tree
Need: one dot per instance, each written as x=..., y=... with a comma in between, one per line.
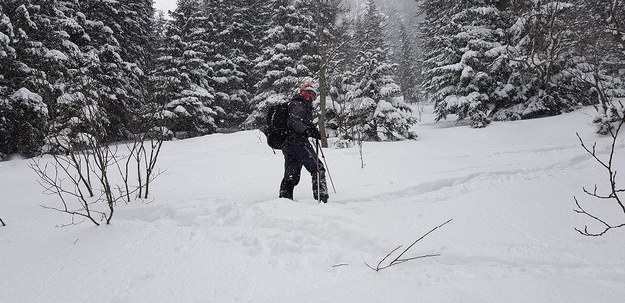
x=346, y=115
x=55, y=42
x=408, y=71
x=158, y=83
x=231, y=28
x=133, y=28
x=542, y=57
x=7, y=53
x=132, y=24
x=163, y=80
x=35, y=63
x=181, y=76
x=253, y=41
x=79, y=50
x=330, y=40
x=438, y=46
x=159, y=54
x=289, y=57
x=378, y=105
x=23, y=114
x=342, y=84
x=7, y=62
x=402, y=31
x=460, y=79
x=79, y=103
x=116, y=79
x=76, y=50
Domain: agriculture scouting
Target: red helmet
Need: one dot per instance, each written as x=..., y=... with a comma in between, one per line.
x=309, y=87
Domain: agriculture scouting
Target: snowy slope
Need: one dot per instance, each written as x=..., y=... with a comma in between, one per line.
x=215, y=232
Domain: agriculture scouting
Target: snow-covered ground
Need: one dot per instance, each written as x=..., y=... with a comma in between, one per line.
x=215, y=231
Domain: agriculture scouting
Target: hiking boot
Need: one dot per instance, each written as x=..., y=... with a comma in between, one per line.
x=324, y=198
x=286, y=189
x=286, y=195
x=320, y=187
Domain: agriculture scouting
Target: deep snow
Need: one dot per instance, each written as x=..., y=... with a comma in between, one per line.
x=214, y=231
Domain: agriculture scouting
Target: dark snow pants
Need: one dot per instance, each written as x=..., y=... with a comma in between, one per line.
x=297, y=155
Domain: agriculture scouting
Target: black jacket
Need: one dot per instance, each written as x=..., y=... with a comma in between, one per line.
x=300, y=121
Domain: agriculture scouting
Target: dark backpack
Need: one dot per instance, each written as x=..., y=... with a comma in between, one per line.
x=275, y=127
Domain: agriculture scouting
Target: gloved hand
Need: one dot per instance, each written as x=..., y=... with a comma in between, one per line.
x=314, y=133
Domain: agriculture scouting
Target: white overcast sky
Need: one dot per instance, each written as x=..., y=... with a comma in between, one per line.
x=165, y=5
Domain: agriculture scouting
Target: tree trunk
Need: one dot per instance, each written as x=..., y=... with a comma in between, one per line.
x=322, y=105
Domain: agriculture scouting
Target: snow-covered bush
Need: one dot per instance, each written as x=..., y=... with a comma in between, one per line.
x=23, y=123
x=606, y=120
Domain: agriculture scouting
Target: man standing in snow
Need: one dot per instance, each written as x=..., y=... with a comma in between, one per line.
x=297, y=149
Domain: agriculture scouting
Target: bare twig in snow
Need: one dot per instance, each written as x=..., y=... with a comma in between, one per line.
x=399, y=259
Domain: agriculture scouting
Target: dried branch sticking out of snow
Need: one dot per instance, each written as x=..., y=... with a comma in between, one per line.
x=399, y=259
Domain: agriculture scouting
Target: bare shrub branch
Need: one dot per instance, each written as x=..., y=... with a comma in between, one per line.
x=585, y=232
x=85, y=170
x=614, y=190
x=69, y=175
x=399, y=259
x=53, y=177
x=145, y=147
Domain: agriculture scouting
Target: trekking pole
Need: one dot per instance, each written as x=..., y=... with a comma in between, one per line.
x=318, y=177
x=326, y=164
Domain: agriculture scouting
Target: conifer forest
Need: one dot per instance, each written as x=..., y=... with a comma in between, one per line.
x=76, y=71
